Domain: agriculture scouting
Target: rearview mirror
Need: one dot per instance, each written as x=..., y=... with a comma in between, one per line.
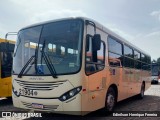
x=96, y=41
x=87, y=42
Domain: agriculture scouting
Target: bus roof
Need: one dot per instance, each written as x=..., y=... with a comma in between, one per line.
x=99, y=26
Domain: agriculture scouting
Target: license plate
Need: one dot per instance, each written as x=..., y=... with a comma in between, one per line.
x=38, y=106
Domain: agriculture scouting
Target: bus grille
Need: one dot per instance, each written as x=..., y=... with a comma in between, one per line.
x=45, y=107
x=39, y=85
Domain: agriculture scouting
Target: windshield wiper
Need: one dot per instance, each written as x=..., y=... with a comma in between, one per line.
x=50, y=65
x=26, y=65
x=48, y=62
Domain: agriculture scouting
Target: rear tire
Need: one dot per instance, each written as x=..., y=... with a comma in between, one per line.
x=141, y=94
x=110, y=100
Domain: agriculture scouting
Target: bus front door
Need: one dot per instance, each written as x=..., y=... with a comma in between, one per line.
x=95, y=70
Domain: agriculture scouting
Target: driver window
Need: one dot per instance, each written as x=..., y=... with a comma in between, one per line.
x=92, y=67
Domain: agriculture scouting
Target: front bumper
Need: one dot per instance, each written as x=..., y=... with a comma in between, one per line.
x=70, y=106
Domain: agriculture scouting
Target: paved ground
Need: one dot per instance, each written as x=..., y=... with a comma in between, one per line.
x=151, y=102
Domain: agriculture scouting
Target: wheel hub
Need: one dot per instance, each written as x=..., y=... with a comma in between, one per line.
x=110, y=102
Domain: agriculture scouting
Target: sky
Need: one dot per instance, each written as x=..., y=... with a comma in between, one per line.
x=138, y=21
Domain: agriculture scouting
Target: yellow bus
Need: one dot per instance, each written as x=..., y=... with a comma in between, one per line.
x=6, y=57
x=76, y=66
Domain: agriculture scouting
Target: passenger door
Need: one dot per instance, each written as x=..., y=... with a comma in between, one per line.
x=95, y=70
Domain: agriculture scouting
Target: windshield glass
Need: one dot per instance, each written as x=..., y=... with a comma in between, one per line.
x=155, y=70
x=55, y=45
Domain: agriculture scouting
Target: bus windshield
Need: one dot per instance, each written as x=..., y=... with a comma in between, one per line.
x=55, y=45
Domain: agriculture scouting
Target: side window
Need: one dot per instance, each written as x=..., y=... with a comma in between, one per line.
x=114, y=59
x=128, y=57
x=137, y=58
x=146, y=63
x=89, y=49
x=149, y=60
x=145, y=59
x=91, y=66
x=128, y=62
x=137, y=55
x=142, y=58
x=128, y=51
x=100, y=54
x=115, y=52
x=6, y=59
x=114, y=46
x=101, y=57
x=144, y=66
x=137, y=64
x=6, y=64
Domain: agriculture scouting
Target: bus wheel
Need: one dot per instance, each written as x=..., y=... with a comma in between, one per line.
x=110, y=100
x=141, y=95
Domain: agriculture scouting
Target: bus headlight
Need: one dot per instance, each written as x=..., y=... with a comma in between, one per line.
x=70, y=93
x=15, y=91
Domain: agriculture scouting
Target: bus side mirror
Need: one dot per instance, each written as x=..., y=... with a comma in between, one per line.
x=96, y=42
x=87, y=43
x=96, y=45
